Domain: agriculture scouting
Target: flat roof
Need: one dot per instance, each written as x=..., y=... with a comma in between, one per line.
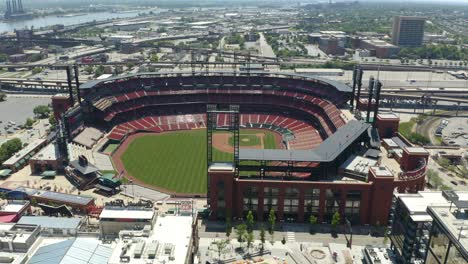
x=417, y=150
x=18, y=156
x=72, y=251
x=218, y=166
x=51, y=222
x=169, y=231
x=417, y=203
x=454, y=223
x=358, y=164
x=387, y=116
x=14, y=206
x=325, y=152
x=63, y=197
x=338, y=85
x=382, y=171
x=49, y=152
x=126, y=213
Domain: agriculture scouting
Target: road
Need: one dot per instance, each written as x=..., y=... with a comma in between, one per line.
x=429, y=125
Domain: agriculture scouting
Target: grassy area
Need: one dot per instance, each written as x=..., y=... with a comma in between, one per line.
x=249, y=138
x=174, y=161
x=406, y=128
x=111, y=147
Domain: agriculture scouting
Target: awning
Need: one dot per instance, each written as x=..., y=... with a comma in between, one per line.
x=49, y=174
x=104, y=188
x=7, y=218
x=5, y=172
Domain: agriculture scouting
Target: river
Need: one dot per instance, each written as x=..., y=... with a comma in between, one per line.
x=39, y=22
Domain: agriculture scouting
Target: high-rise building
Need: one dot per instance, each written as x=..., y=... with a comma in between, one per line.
x=408, y=31
x=416, y=223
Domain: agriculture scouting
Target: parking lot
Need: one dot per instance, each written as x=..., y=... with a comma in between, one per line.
x=17, y=109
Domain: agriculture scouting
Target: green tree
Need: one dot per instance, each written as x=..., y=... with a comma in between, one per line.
x=154, y=58
x=220, y=246
x=250, y=221
x=9, y=148
x=250, y=239
x=41, y=111
x=3, y=57
x=29, y=122
x=336, y=219
x=444, y=162
x=228, y=224
x=52, y=121
x=36, y=70
x=89, y=69
x=272, y=221
x=283, y=241
x=241, y=230
x=99, y=71
x=433, y=178
x=262, y=236
x=2, y=96
x=312, y=221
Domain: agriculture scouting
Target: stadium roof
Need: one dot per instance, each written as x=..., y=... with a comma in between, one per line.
x=339, y=85
x=325, y=152
x=51, y=222
x=76, y=251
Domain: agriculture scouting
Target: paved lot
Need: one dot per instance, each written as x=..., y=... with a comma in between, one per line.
x=18, y=109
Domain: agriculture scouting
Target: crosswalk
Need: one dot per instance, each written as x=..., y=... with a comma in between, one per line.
x=291, y=237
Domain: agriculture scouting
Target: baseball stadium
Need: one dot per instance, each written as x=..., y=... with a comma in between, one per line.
x=250, y=141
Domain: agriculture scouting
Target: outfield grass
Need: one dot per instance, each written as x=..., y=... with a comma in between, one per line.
x=174, y=161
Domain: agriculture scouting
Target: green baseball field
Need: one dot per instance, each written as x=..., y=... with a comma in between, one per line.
x=177, y=161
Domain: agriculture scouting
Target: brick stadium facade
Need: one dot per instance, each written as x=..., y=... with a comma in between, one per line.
x=303, y=106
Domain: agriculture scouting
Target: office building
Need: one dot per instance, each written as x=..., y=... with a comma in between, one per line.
x=408, y=31
x=413, y=229
x=449, y=234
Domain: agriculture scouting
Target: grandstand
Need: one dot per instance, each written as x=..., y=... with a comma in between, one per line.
x=303, y=178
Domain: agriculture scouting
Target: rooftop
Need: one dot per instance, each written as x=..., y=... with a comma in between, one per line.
x=417, y=203
x=170, y=234
x=52, y=222
x=76, y=250
x=127, y=213
x=339, y=85
x=382, y=171
x=50, y=152
x=325, y=152
x=62, y=197
x=454, y=221
x=24, y=153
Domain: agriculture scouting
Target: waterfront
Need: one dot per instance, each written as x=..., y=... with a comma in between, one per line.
x=39, y=22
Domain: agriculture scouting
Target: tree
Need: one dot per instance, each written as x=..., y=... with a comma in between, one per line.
x=9, y=148
x=283, y=241
x=29, y=122
x=3, y=57
x=41, y=111
x=433, y=178
x=36, y=70
x=241, y=230
x=312, y=221
x=336, y=219
x=250, y=239
x=272, y=221
x=444, y=162
x=2, y=96
x=262, y=235
x=89, y=69
x=154, y=58
x=99, y=71
x=250, y=221
x=220, y=246
x=52, y=121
